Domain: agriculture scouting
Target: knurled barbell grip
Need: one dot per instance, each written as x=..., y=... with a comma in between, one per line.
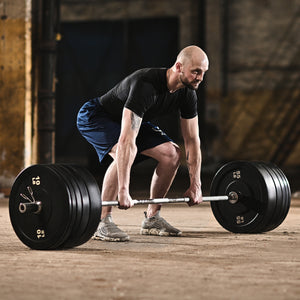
x=167, y=200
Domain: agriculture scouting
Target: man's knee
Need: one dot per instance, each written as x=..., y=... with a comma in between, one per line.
x=177, y=154
x=172, y=155
x=167, y=153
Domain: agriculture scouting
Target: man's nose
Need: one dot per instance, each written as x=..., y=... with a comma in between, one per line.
x=199, y=77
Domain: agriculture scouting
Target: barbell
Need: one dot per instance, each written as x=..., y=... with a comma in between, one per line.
x=58, y=206
x=36, y=206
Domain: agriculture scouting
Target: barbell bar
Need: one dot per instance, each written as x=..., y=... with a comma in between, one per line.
x=59, y=206
x=36, y=207
x=232, y=196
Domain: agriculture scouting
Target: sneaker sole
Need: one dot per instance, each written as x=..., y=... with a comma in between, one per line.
x=110, y=239
x=154, y=231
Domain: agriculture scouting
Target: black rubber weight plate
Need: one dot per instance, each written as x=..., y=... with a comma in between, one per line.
x=257, y=198
x=82, y=233
x=280, y=198
x=286, y=195
x=52, y=226
x=94, y=197
x=271, y=205
x=76, y=230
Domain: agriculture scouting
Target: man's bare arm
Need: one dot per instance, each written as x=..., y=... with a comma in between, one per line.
x=126, y=152
x=191, y=138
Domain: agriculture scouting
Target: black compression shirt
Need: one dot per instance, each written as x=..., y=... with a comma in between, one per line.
x=145, y=92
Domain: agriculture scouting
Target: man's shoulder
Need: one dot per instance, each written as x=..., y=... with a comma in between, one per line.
x=148, y=73
x=148, y=78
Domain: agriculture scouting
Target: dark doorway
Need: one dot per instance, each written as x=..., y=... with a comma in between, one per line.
x=92, y=58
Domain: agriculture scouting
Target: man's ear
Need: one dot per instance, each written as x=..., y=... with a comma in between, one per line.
x=178, y=67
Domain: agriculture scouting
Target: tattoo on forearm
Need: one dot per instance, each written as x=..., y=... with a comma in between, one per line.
x=135, y=121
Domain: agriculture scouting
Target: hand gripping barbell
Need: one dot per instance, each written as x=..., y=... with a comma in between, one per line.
x=59, y=206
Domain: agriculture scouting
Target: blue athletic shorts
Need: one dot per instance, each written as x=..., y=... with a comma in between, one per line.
x=96, y=126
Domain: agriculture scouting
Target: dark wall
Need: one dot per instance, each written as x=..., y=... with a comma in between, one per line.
x=93, y=57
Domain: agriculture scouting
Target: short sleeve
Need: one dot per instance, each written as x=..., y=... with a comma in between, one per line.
x=189, y=108
x=140, y=98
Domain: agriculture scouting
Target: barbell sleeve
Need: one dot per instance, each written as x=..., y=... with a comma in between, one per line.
x=168, y=200
x=30, y=207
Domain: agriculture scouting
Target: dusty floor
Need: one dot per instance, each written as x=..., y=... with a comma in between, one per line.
x=205, y=263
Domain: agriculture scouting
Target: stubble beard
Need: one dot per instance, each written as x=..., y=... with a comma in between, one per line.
x=189, y=85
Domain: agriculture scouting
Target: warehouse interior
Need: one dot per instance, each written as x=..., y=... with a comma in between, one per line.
x=57, y=54
x=242, y=242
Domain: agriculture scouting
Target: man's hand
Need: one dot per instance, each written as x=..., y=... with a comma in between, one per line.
x=195, y=194
x=125, y=200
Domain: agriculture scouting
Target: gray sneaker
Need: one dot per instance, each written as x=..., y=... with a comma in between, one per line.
x=157, y=225
x=109, y=231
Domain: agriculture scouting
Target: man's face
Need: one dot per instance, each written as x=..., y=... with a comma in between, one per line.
x=192, y=74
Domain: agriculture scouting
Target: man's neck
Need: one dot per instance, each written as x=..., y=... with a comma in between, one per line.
x=173, y=83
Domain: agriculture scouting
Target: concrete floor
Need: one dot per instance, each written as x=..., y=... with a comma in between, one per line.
x=207, y=262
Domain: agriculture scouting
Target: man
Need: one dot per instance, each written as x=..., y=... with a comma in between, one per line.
x=117, y=125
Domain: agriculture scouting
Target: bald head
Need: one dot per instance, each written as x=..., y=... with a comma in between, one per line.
x=188, y=70
x=192, y=55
